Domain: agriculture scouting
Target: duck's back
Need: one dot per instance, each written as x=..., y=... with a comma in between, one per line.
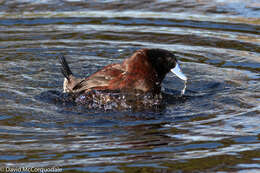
x=102, y=79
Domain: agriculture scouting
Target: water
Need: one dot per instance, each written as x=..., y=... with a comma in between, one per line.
x=215, y=130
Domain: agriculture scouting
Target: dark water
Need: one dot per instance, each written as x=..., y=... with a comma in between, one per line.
x=216, y=130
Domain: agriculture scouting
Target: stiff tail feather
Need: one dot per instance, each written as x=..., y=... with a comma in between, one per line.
x=65, y=69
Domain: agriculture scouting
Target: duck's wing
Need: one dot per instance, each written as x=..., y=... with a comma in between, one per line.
x=102, y=79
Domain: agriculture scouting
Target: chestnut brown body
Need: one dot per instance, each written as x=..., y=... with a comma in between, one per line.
x=142, y=72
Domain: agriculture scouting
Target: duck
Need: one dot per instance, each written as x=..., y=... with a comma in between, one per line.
x=142, y=73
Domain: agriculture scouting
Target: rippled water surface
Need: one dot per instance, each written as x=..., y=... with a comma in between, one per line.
x=216, y=129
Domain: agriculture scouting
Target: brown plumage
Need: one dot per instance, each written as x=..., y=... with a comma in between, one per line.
x=144, y=71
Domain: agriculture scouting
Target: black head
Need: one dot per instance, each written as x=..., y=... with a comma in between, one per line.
x=162, y=60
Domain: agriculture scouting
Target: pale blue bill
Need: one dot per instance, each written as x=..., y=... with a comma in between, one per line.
x=177, y=71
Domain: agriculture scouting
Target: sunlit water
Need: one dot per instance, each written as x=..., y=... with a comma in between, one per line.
x=217, y=128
